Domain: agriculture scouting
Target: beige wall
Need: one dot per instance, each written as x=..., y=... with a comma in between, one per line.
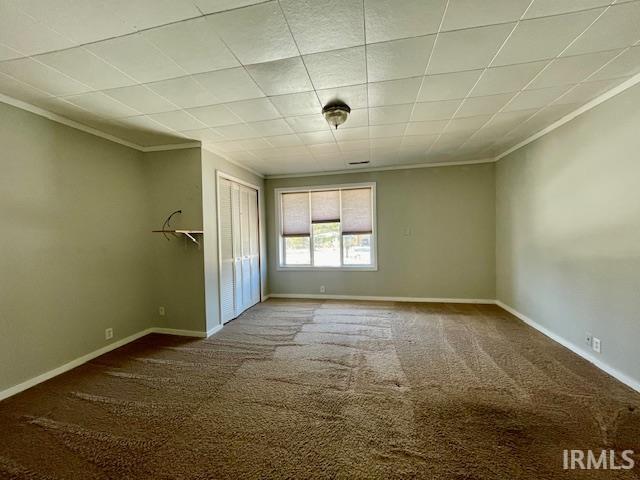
x=75, y=256
x=175, y=183
x=568, y=231
x=450, y=253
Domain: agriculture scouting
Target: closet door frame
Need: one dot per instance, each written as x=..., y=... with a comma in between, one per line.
x=222, y=175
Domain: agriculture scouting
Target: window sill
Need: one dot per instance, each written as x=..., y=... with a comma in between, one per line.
x=370, y=268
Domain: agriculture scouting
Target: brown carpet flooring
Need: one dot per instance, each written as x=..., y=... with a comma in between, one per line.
x=304, y=389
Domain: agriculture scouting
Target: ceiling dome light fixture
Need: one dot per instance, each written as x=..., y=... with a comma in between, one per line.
x=336, y=113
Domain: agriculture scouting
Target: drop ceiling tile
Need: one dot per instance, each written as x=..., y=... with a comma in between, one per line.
x=184, y=92
x=337, y=68
x=447, y=86
x=14, y=24
x=238, y=132
x=193, y=45
x=357, y=118
x=255, y=34
x=393, y=19
x=230, y=85
x=321, y=25
x=281, y=76
x=355, y=96
x=86, y=67
x=83, y=21
x=509, y=78
x=268, y=128
x=286, y=140
x=467, y=124
x=543, y=38
x=380, y=140
x=316, y=138
x=214, y=6
x=178, y=120
x=483, y=105
x=42, y=77
x=356, y=145
x=391, y=130
x=535, y=98
x=390, y=114
x=208, y=135
x=136, y=57
x=426, y=128
x=472, y=13
x=228, y=146
x=394, y=92
x=324, y=149
x=102, y=105
x=143, y=122
x=215, y=115
x=421, y=141
x=254, y=110
x=349, y=134
x=141, y=98
x=626, y=64
x=144, y=14
x=254, y=143
x=398, y=58
x=8, y=53
x=543, y=8
x=567, y=70
x=442, y=110
x=505, y=121
x=20, y=90
x=587, y=91
x=467, y=49
x=308, y=123
x=297, y=104
x=618, y=27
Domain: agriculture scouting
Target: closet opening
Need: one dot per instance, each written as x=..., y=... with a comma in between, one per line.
x=239, y=259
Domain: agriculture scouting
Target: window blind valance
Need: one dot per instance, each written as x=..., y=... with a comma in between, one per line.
x=356, y=211
x=296, y=214
x=325, y=206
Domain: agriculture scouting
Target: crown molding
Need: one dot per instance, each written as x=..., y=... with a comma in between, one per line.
x=579, y=111
x=14, y=102
x=382, y=169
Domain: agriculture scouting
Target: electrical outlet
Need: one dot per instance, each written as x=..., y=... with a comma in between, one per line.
x=108, y=334
x=596, y=344
x=161, y=311
x=587, y=338
x=322, y=289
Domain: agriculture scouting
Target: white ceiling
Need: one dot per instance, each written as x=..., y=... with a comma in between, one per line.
x=429, y=81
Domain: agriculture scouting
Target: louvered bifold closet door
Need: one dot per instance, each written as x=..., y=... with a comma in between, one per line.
x=254, y=240
x=227, y=274
x=245, y=243
x=237, y=247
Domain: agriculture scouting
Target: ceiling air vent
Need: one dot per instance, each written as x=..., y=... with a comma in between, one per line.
x=359, y=163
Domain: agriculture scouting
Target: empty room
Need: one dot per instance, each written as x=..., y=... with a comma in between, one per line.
x=319, y=239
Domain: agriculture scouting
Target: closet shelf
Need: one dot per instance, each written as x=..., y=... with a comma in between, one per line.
x=187, y=233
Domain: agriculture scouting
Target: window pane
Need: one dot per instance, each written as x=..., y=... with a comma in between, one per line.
x=326, y=244
x=357, y=249
x=297, y=250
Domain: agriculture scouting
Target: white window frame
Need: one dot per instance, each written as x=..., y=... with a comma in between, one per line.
x=373, y=266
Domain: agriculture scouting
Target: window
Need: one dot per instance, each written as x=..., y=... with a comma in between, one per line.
x=328, y=227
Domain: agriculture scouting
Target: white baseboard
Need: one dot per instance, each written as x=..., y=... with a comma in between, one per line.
x=617, y=374
x=323, y=296
x=180, y=333
x=101, y=351
x=70, y=365
x=214, y=330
